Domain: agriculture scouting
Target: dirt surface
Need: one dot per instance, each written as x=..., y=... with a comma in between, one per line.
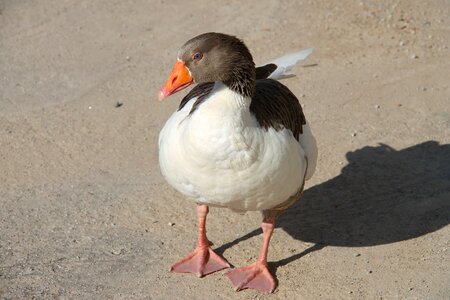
x=85, y=213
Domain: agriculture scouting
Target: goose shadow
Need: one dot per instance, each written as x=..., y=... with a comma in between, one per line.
x=382, y=196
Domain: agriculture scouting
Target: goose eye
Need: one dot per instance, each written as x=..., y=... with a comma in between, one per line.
x=197, y=56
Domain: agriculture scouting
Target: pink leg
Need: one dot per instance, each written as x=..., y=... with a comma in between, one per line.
x=203, y=260
x=256, y=276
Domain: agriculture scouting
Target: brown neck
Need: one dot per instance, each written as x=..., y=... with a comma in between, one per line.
x=243, y=80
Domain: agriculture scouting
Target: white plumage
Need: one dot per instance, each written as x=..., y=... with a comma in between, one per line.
x=287, y=62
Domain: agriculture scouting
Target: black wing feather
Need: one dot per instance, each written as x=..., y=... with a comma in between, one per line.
x=201, y=90
x=274, y=105
x=264, y=71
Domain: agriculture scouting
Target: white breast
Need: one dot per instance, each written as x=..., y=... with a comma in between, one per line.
x=220, y=156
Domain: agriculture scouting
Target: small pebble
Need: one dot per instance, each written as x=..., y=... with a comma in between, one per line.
x=90, y=107
x=410, y=288
x=402, y=43
x=357, y=254
x=377, y=106
x=128, y=58
x=354, y=134
x=369, y=272
x=414, y=56
x=171, y=224
x=118, y=251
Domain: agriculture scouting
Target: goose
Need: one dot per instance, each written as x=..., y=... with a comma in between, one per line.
x=239, y=140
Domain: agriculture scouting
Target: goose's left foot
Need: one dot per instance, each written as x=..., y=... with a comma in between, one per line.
x=256, y=276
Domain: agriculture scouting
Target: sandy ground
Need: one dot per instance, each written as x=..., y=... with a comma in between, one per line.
x=85, y=213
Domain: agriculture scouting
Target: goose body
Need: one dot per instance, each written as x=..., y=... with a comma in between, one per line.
x=239, y=140
x=221, y=156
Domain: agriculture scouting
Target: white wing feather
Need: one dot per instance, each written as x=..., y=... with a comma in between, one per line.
x=287, y=62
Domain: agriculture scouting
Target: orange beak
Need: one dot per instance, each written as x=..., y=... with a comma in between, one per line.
x=178, y=80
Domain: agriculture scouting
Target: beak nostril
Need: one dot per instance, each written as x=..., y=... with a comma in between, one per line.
x=174, y=79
